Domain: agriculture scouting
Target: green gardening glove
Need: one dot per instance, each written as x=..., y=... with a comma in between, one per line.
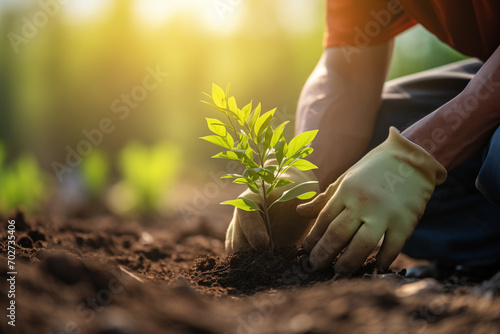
x=383, y=195
x=247, y=229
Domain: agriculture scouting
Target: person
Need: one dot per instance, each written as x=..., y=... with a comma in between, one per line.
x=414, y=162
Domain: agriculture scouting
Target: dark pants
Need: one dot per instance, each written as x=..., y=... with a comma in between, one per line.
x=461, y=225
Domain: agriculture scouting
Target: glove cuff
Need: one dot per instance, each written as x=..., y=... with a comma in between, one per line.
x=417, y=157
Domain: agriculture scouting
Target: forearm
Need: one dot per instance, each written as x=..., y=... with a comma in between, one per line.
x=459, y=129
x=341, y=99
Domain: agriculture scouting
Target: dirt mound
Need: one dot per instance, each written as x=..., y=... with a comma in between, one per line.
x=249, y=272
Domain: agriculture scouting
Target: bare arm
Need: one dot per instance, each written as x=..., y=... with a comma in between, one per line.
x=458, y=129
x=341, y=99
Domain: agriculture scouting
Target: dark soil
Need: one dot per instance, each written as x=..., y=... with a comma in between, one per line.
x=107, y=275
x=253, y=271
x=249, y=272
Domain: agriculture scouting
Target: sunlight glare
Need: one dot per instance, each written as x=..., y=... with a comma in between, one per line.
x=297, y=15
x=83, y=10
x=156, y=12
x=221, y=16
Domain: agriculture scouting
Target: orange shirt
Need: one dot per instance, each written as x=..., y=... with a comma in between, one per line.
x=470, y=26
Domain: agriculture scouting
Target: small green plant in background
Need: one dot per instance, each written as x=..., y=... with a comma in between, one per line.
x=247, y=137
x=22, y=183
x=147, y=175
x=95, y=173
x=2, y=155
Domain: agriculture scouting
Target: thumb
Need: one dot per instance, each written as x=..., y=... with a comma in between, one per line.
x=314, y=207
x=249, y=231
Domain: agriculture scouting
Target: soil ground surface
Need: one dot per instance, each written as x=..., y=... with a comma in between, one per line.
x=108, y=275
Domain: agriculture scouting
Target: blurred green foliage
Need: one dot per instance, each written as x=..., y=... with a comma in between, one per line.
x=67, y=77
x=148, y=175
x=417, y=50
x=95, y=171
x=22, y=183
x=2, y=155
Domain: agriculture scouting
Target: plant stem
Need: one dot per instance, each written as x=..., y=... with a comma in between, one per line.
x=267, y=220
x=232, y=124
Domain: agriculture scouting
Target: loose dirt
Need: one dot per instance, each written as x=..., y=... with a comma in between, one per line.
x=104, y=274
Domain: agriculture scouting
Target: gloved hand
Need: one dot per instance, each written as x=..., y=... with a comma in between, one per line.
x=383, y=194
x=247, y=229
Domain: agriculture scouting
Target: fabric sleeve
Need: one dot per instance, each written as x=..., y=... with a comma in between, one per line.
x=364, y=22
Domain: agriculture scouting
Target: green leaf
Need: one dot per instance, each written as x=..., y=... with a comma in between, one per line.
x=271, y=168
x=244, y=159
x=303, y=165
x=265, y=175
x=307, y=195
x=266, y=144
x=249, y=153
x=250, y=184
x=242, y=134
x=305, y=152
x=237, y=113
x=255, y=115
x=218, y=96
x=247, y=110
x=297, y=191
x=243, y=143
x=282, y=182
x=281, y=149
x=240, y=180
x=216, y=126
x=251, y=174
x=300, y=141
x=230, y=140
x=232, y=104
x=218, y=140
x=249, y=163
x=223, y=110
x=253, y=187
x=298, y=155
x=243, y=204
x=231, y=176
x=229, y=155
x=263, y=122
x=278, y=133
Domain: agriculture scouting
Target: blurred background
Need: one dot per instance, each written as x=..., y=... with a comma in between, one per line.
x=99, y=99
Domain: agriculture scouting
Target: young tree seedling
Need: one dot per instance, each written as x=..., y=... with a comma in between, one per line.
x=247, y=137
